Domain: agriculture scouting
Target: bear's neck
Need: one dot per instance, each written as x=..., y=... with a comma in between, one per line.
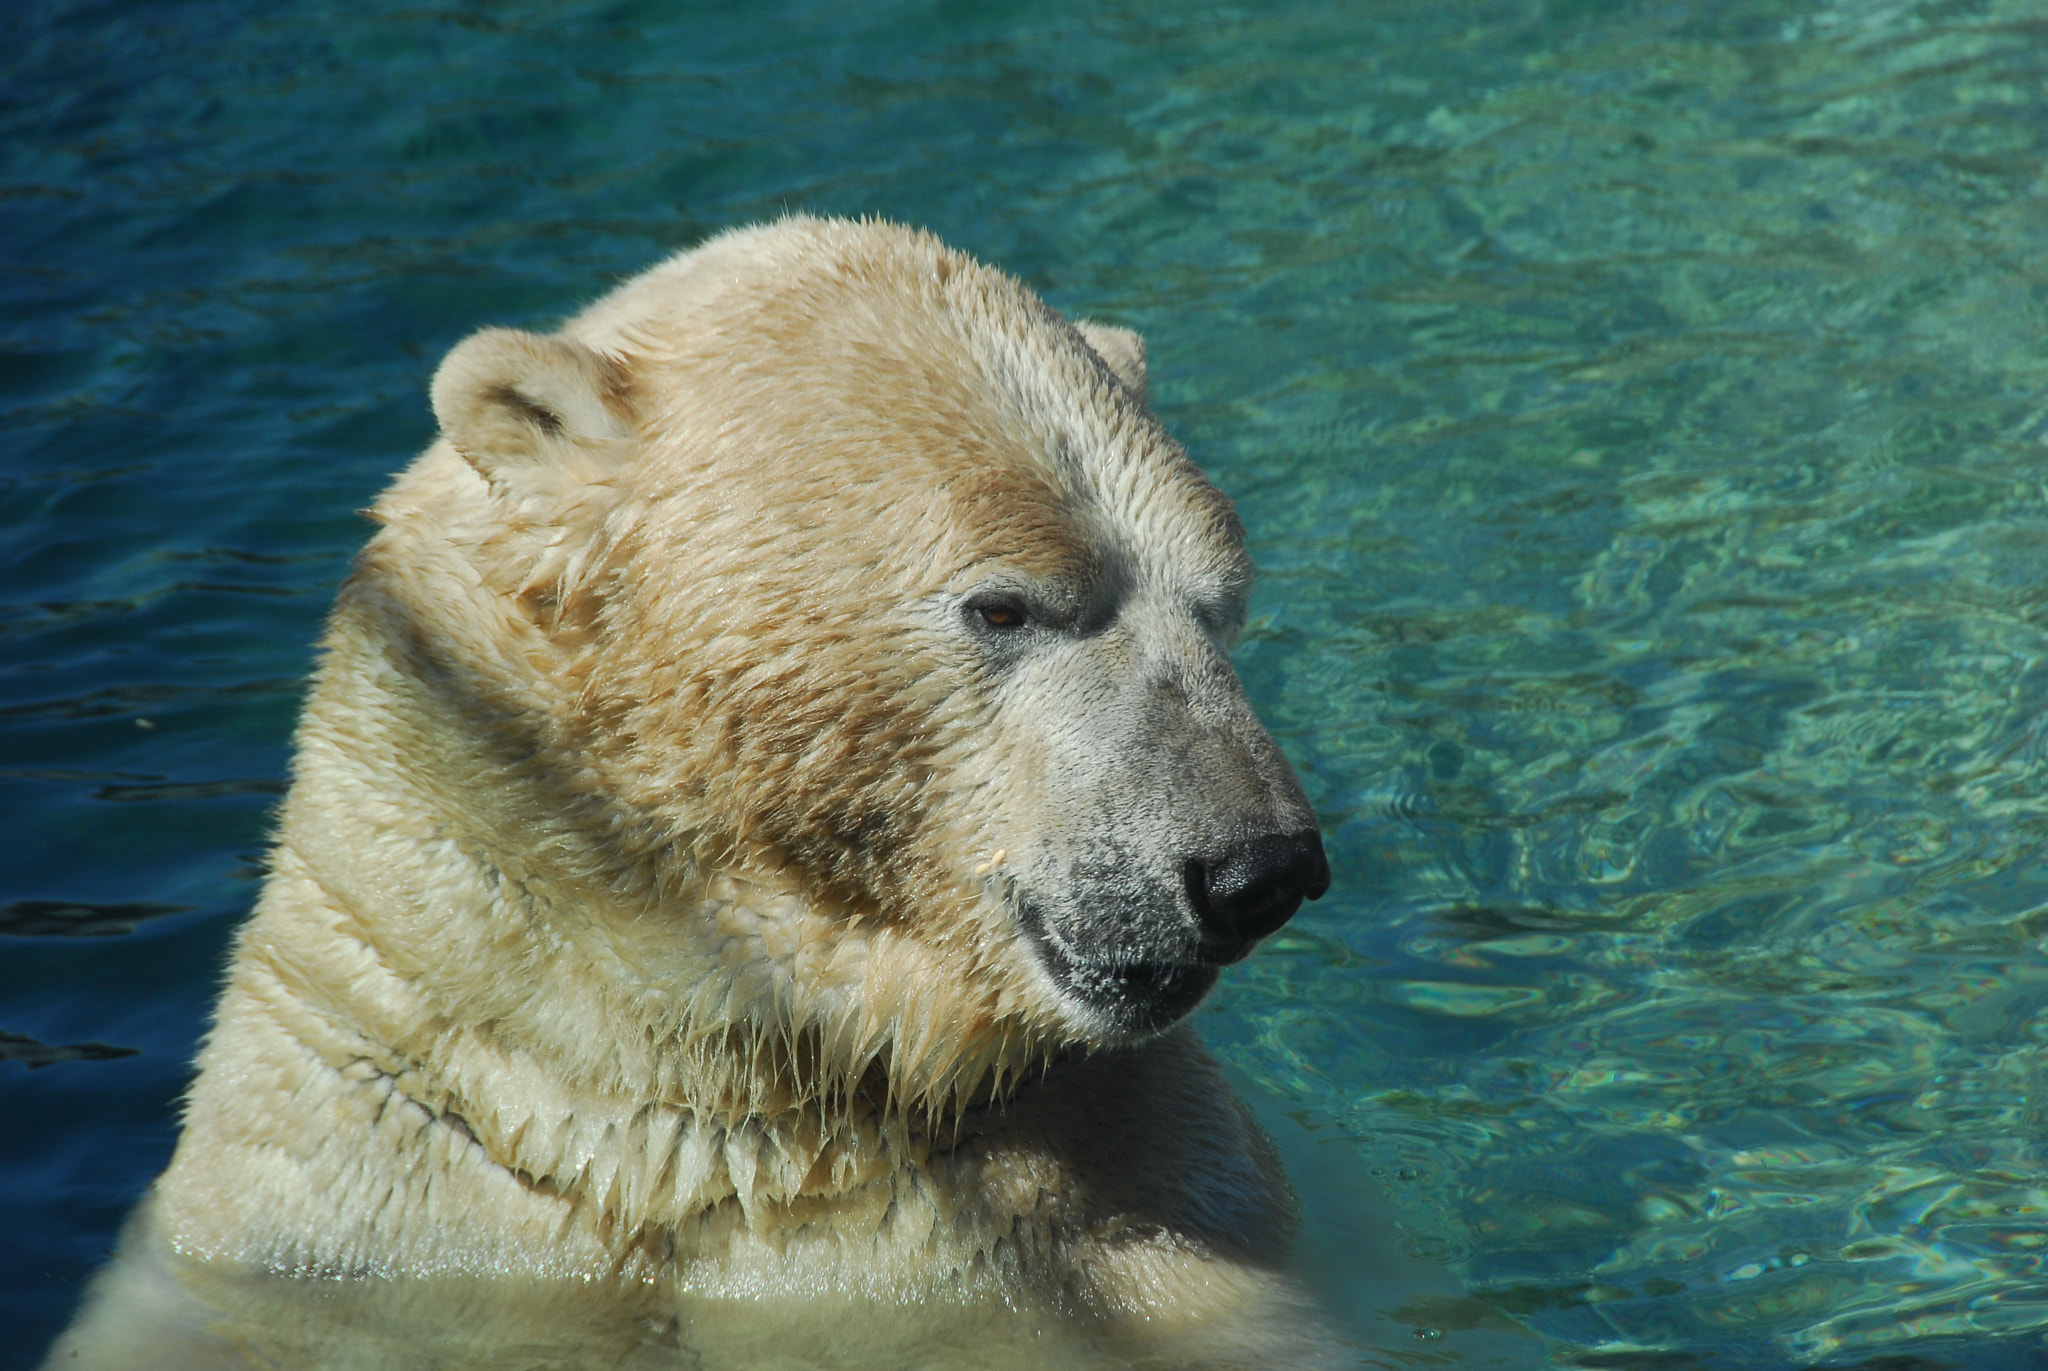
x=616, y=1047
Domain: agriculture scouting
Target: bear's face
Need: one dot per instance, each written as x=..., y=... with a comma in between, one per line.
x=859, y=568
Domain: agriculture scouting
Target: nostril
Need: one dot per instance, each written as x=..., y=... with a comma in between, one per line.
x=1256, y=886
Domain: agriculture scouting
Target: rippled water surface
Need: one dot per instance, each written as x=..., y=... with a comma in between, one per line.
x=1638, y=411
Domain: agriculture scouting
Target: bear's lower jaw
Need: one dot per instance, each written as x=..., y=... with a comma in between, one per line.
x=1123, y=999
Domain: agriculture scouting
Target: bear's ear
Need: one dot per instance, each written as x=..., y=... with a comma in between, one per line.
x=1122, y=349
x=524, y=409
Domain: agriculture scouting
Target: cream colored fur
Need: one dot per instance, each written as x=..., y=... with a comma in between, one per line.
x=643, y=913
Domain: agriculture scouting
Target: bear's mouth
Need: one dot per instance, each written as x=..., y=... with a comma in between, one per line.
x=1133, y=997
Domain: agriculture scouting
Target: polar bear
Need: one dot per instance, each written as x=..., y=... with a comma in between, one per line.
x=772, y=791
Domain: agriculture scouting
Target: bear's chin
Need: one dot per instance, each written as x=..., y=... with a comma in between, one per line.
x=1125, y=1001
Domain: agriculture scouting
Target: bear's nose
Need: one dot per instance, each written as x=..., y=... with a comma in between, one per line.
x=1253, y=888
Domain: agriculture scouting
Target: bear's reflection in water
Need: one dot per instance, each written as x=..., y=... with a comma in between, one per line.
x=150, y=1309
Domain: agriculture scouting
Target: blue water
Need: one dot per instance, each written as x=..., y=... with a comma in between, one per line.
x=1638, y=411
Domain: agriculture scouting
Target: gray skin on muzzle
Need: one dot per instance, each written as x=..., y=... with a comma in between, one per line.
x=1181, y=836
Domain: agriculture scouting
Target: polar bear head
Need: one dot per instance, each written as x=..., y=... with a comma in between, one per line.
x=877, y=628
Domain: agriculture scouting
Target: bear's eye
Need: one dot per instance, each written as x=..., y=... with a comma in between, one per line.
x=1000, y=613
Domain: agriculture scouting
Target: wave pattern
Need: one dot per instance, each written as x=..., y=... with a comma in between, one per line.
x=1639, y=411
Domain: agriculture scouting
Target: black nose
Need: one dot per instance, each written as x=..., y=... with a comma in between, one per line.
x=1255, y=887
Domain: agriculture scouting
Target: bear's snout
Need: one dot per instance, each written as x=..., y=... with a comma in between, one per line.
x=1253, y=888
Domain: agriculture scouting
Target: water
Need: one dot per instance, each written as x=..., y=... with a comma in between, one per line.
x=1638, y=411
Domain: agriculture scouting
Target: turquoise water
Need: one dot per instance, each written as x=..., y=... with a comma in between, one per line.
x=1639, y=415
